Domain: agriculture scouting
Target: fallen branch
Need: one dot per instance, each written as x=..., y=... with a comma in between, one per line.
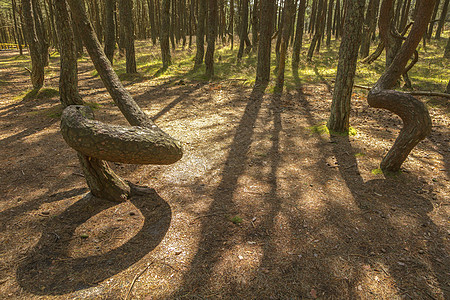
x=135, y=278
x=413, y=93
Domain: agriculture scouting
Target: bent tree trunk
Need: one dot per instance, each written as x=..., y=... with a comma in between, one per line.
x=414, y=114
x=143, y=142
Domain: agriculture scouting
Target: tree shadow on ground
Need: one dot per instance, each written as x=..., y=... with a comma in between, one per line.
x=212, y=246
x=54, y=266
x=414, y=256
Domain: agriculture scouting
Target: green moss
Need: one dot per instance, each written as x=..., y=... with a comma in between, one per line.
x=323, y=129
x=236, y=220
x=93, y=105
x=376, y=171
x=359, y=154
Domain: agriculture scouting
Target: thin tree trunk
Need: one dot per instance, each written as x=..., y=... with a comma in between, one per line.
x=442, y=20
x=298, y=35
x=369, y=27
x=18, y=33
x=431, y=26
x=200, y=34
x=348, y=54
x=265, y=40
x=211, y=38
x=255, y=26
x=447, y=49
x=244, y=28
x=329, y=22
x=110, y=29
x=164, y=28
x=126, y=20
x=288, y=20
x=37, y=63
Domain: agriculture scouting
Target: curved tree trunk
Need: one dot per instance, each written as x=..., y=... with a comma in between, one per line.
x=109, y=141
x=414, y=114
x=348, y=55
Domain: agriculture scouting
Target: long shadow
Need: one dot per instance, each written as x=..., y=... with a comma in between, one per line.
x=51, y=270
x=211, y=247
x=405, y=267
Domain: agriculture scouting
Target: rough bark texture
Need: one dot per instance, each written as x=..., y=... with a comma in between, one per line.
x=265, y=39
x=110, y=29
x=414, y=114
x=37, y=64
x=211, y=38
x=348, y=54
x=288, y=18
x=164, y=39
x=126, y=20
x=132, y=145
x=243, y=33
x=200, y=34
x=298, y=35
x=102, y=181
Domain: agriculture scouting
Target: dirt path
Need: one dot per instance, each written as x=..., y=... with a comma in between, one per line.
x=260, y=206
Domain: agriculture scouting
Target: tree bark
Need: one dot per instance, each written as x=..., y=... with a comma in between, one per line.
x=265, y=40
x=243, y=34
x=200, y=34
x=442, y=20
x=321, y=12
x=369, y=27
x=255, y=27
x=37, y=64
x=329, y=22
x=414, y=114
x=298, y=35
x=68, y=78
x=164, y=39
x=211, y=38
x=288, y=20
x=447, y=49
x=101, y=180
x=18, y=33
x=126, y=20
x=348, y=54
x=110, y=30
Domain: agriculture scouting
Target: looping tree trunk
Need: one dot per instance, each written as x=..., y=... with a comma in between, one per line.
x=414, y=114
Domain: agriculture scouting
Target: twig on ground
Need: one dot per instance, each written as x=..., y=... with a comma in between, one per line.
x=135, y=278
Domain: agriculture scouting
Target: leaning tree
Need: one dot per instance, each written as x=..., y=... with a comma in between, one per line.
x=414, y=114
x=97, y=142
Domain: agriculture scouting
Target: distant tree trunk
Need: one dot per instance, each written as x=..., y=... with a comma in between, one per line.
x=298, y=35
x=447, y=90
x=211, y=38
x=442, y=20
x=431, y=26
x=18, y=33
x=68, y=78
x=126, y=20
x=255, y=26
x=313, y=17
x=231, y=24
x=37, y=63
x=40, y=31
x=265, y=39
x=329, y=22
x=200, y=34
x=321, y=12
x=369, y=27
x=415, y=116
x=288, y=20
x=447, y=49
x=243, y=34
x=96, y=141
x=348, y=54
x=151, y=13
x=337, y=19
x=164, y=28
x=110, y=29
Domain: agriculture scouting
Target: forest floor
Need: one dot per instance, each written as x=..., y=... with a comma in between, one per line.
x=263, y=205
